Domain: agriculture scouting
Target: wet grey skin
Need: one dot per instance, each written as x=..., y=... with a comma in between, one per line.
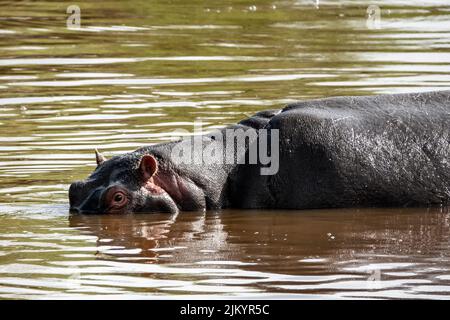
x=368, y=151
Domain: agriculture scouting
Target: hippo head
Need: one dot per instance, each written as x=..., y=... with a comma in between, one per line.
x=122, y=184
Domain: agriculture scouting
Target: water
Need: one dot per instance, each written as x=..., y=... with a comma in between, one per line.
x=138, y=70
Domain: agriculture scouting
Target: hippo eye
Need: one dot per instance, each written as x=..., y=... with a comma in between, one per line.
x=117, y=199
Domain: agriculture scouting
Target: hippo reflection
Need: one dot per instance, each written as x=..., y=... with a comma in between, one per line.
x=265, y=241
x=386, y=150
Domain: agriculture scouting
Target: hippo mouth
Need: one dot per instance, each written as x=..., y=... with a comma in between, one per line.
x=163, y=203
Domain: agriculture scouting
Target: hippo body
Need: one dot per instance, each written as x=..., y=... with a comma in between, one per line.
x=385, y=150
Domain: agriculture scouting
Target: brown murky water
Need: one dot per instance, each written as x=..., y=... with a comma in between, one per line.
x=138, y=70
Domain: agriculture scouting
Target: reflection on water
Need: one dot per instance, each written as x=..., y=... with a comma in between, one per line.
x=136, y=71
x=327, y=253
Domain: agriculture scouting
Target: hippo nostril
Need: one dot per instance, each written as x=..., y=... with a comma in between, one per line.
x=74, y=210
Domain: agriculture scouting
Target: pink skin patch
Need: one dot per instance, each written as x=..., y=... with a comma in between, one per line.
x=166, y=183
x=152, y=187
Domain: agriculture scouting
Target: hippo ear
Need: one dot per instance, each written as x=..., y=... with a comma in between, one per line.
x=148, y=166
x=99, y=157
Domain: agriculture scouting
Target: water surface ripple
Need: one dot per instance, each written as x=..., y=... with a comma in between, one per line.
x=138, y=70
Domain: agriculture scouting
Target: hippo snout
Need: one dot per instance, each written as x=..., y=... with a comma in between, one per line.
x=82, y=200
x=74, y=191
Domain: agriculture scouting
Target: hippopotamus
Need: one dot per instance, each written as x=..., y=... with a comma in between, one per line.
x=353, y=151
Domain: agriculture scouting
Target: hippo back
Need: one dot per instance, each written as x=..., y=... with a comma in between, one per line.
x=386, y=150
